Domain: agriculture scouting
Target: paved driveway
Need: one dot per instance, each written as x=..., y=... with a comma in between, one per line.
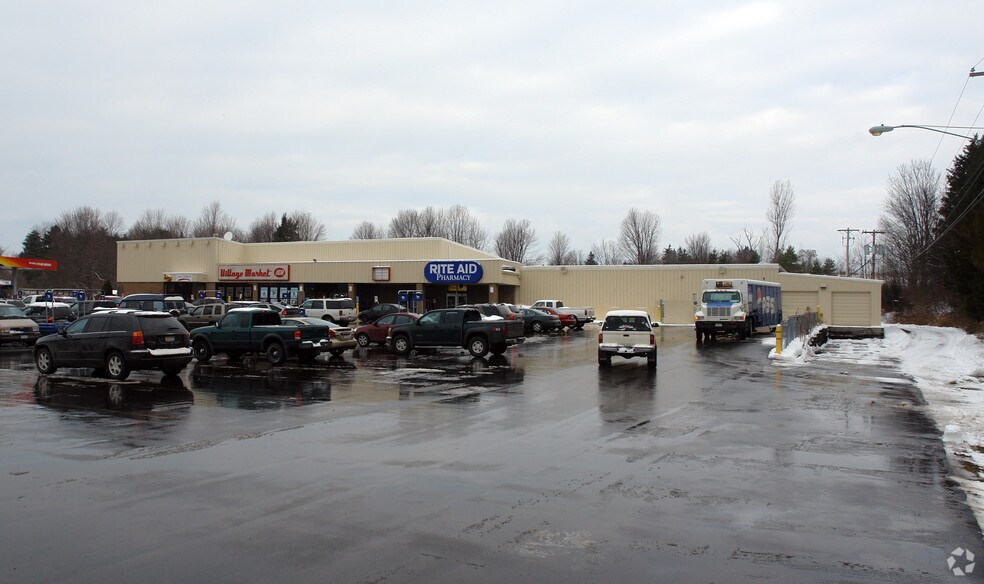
x=539, y=467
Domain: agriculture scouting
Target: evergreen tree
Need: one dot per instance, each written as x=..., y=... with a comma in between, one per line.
x=287, y=230
x=961, y=230
x=591, y=261
x=789, y=260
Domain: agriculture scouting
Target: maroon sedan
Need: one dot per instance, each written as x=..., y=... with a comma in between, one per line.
x=568, y=320
x=377, y=331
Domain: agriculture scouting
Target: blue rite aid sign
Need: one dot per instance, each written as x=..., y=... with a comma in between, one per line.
x=453, y=272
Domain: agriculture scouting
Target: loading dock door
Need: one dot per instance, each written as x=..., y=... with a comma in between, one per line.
x=850, y=309
x=799, y=302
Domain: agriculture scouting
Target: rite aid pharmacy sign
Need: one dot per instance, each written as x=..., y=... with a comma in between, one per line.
x=453, y=272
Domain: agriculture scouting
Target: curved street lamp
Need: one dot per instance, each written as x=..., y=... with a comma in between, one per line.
x=881, y=129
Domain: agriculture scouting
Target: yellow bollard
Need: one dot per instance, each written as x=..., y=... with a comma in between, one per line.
x=778, y=339
x=819, y=315
x=659, y=314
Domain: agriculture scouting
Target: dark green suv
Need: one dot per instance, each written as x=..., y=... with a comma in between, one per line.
x=117, y=342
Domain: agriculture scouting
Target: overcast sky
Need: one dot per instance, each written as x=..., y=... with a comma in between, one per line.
x=566, y=113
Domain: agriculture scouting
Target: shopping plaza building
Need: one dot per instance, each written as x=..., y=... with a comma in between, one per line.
x=438, y=273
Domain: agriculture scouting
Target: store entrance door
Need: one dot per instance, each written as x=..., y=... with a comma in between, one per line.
x=455, y=299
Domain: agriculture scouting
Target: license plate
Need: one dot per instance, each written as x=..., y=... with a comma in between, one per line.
x=169, y=338
x=718, y=325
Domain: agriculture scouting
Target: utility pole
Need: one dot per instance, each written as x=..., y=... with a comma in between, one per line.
x=847, y=250
x=874, y=249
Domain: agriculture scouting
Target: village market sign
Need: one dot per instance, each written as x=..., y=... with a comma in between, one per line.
x=453, y=272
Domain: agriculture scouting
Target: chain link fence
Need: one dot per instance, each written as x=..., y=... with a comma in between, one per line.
x=798, y=326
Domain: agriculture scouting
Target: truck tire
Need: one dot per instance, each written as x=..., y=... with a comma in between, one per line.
x=579, y=325
x=604, y=359
x=201, y=349
x=478, y=346
x=401, y=345
x=651, y=360
x=275, y=353
x=498, y=349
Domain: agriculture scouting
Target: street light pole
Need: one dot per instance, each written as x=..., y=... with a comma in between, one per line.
x=881, y=129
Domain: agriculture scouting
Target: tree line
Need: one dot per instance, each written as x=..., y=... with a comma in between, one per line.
x=933, y=250
x=83, y=240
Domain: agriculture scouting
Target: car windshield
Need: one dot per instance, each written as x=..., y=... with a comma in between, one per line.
x=8, y=311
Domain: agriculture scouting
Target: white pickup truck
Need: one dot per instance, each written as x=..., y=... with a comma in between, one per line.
x=583, y=315
x=626, y=334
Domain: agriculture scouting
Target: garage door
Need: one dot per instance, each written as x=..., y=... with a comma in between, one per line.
x=799, y=302
x=851, y=309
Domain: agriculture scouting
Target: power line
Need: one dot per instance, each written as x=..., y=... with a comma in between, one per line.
x=874, y=247
x=847, y=250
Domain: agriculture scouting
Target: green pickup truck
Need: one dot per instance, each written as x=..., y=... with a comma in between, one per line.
x=258, y=330
x=455, y=327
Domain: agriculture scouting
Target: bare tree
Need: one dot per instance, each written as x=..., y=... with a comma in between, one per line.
x=699, y=247
x=262, y=229
x=83, y=241
x=607, y=252
x=214, y=222
x=431, y=223
x=308, y=228
x=782, y=203
x=157, y=224
x=406, y=223
x=559, y=251
x=368, y=230
x=516, y=240
x=639, y=237
x=807, y=258
x=749, y=246
x=910, y=221
x=462, y=228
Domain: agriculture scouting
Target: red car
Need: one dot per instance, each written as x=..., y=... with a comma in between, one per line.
x=568, y=320
x=377, y=331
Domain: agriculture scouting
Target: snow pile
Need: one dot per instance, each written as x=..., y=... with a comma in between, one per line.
x=797, y=352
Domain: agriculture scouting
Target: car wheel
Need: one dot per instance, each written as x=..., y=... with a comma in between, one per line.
x=478, y=346
x=579, y=325
x=44, y=361
x=275, y=353
x=171, y=370
x=498, y=349
x=363, y=339
x=201, y=350
x=401, y=345
x=116, y=367
x=537, y=327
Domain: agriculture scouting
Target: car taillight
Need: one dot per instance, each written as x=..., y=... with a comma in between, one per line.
x=297, y=335
x=137, y=338
x=331, y=333
x=283, y=312
x=652, y=339
x=599, y=337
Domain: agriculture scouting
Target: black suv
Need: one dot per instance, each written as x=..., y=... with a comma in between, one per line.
x=378, y=311
x=117, y=342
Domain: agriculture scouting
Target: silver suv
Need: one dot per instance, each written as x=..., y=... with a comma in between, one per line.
x=339, y=310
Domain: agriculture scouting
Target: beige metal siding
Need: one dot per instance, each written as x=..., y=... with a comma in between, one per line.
x=799, y=302
x=850, y=309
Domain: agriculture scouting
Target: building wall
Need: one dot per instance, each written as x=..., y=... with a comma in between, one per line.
x=141, y=266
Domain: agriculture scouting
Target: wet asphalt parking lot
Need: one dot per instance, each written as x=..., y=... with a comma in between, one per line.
x=534, y=467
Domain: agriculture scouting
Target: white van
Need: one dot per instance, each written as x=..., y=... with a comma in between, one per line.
x=338, y=310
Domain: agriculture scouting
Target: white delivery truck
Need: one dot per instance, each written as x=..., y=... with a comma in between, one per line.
x=738, y=307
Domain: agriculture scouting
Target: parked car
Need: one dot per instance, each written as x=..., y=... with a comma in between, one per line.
x=88, y=306
x=583, y=315
x=568, y=320
x=16, y=302
x=377, y=331
x=339, y=337
x=50, y=316
x=15, y=327
x=340, y=310
x=283, y=309
x=258, y=330
x=116, y=343
x=371, y=315
x=455, y=327
x=206, y=314
x=538, y=321
x=155, y=302
x=515, y=327
x=626, y=334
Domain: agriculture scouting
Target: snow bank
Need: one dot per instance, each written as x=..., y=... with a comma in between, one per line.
x=797, y=352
